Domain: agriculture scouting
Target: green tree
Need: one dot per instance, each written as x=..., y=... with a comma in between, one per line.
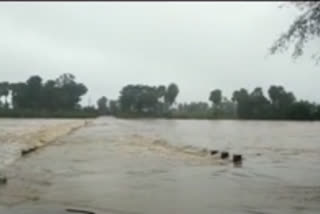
x=275, y=93
x=171, y=94
x=65, y=79
x=4, y=92
x=127, y=98
x=102, y=105
x=260, y=104
x=281, y=101
x=301, y=110
x=139, y=98
x=305, y=28
x=228, y=108
x=316, y=112
x=161, y=107
x=215, y=97
x=33, y=92
x=114, y=107
x=161, y=91
x=244, y=107
x=19, y=95
x=69, y=92
x=50, y=96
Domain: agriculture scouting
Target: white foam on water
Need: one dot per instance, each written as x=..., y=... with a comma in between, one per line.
x=16, y=135
x=143, y=145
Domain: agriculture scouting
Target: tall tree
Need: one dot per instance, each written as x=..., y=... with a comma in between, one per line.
x=139, y=98
x=19, y=95
x=301, y=110
x=260, y=104
x=127, y=98
x=64, y=93
x=242, y=99
x=113, y=107
x=50, y=99
x=171, y=94
x=65, y=79
x=228, y=108
x=215, y=97
x=69, y=92
x=281, y=101
x=4, y=92
x=33, y=92
x=102, y=105
x=161, y=90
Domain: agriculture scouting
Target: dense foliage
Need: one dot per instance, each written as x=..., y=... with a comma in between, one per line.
x=35, y=98
x=147, y=100
x=154, y=101
x=61, y=97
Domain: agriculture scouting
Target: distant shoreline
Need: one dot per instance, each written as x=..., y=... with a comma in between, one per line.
x=209, y=118
x=29, y=114
x=46, y=114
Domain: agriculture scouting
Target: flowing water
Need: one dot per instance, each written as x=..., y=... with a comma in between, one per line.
x=163, y=166
x=18, y=134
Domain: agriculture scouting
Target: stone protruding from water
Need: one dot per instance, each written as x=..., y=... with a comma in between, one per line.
x=237, y=158
x=214, y=152
x=79, y=211
x=27, y=151
x=3, y=180
x=224, y=155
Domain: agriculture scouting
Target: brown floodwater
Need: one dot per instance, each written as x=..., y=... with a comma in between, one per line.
x=163, y=166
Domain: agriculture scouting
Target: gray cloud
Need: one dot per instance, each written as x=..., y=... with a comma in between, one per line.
x=200, y=46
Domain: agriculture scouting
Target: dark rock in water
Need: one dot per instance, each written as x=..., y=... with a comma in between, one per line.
x=224, y=155
x=27, y=151
x=79, y=211
x=237, y=158
x=3, y=180
x=213, y=152
x=24, y=152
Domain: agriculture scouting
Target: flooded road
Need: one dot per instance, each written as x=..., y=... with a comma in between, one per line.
x=162, y=166
x=19, y=134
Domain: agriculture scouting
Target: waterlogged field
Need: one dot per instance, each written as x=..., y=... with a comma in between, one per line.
x=163, y=166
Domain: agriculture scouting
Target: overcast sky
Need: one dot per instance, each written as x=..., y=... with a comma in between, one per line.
x=199, y=46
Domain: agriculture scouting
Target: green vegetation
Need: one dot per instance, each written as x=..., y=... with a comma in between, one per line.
x=55, y=98
x=102, y=105
x=306, y=27
x=147, y=100
x=160, y=102
x=60, y=98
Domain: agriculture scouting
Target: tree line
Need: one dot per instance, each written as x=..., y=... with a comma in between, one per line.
x=34, y=97
x=61, y=97
x=138, y=100
x=157, y=101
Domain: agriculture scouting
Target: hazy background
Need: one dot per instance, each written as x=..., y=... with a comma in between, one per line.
x=199, y=46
